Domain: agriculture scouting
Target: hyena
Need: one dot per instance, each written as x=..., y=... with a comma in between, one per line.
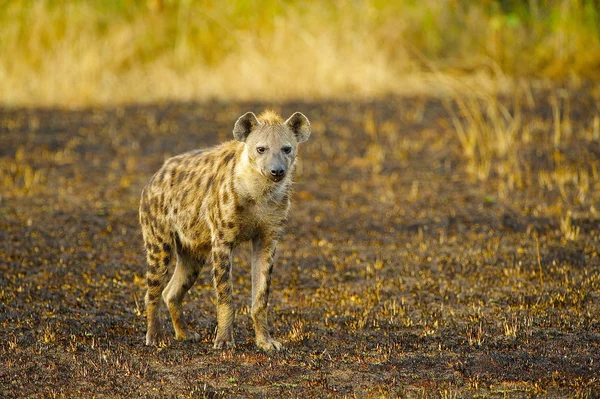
x=203, y=203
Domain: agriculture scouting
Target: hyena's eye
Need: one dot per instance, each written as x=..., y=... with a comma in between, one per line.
x=287, y=149
x=261, y=150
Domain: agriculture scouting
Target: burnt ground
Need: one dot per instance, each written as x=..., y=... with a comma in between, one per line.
x=403, y=271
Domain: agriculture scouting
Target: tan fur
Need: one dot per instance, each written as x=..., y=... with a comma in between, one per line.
x=270, y=117
x=202, y=204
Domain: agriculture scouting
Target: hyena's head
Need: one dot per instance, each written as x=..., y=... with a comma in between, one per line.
x=271, y=144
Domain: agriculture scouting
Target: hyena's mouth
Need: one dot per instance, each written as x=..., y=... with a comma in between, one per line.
x=275, y=179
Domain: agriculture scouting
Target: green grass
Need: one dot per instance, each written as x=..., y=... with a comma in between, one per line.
x=76, y=53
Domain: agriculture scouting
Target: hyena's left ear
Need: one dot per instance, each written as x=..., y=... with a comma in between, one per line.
x=244, y=126
x=300, y=126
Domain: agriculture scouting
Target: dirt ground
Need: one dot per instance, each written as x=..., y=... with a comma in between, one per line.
x=404, y=271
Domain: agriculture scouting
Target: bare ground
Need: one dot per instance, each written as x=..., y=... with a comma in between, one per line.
x=402, y=273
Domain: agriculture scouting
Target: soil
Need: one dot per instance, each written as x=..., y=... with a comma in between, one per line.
x=402, y=273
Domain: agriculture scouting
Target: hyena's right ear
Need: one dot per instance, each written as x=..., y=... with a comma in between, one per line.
x=244, y=125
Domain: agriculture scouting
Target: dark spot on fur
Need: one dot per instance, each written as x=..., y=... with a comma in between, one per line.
x=239, y=208
x=225, y=197
x=153, y=203
x=221, y=235
x=153, y=294
x=161, y=175
x=228, y=158
x=230, y=225
x=152, y=260
x=144, y=209
x=233, y=162
x=167, y=260
x=184, y=194
x=154, y=282
x=220, y=276
x=219, y=213
x=166, y=247
x=184, y=163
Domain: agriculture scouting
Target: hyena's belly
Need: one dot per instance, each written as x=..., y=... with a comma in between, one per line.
x=192, y=232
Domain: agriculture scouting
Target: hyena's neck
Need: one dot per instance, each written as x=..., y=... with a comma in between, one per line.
x=250, y=184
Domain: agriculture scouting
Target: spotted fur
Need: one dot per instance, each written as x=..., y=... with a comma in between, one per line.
x=200, y=205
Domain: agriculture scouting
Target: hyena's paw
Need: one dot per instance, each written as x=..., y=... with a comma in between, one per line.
x=187, y=335
x=224, y=344
x=269, y=344
x=154, y=337
x=224, y=341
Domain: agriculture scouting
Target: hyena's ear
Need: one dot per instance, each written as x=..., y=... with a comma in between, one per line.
x=244, y=125
x=300, y=126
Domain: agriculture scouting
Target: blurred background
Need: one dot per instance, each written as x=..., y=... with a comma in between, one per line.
x=75, y=53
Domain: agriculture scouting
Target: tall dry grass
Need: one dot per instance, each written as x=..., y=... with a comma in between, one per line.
x=73, y=52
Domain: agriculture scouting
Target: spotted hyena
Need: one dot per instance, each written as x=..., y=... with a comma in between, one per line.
x=203, y=203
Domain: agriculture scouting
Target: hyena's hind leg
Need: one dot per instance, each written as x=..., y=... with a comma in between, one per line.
x=159, y=255
x=184, y=277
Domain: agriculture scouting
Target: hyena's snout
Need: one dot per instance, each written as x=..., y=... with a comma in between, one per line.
x=277, y=173
x=276, y=170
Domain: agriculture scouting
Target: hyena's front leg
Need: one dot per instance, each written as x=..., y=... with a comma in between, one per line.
x=221, y=258
x=263, y=252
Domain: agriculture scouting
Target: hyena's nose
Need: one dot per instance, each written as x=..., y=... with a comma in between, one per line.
x=277, y=173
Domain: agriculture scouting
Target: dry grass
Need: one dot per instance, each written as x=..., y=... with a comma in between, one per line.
x=506, y=144
x=75, y=53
